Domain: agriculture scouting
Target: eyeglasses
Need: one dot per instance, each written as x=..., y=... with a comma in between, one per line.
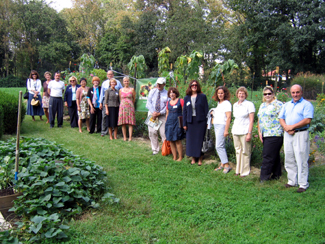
x=73, y=80
x=267, y=94
x=194, y=85
x=34, y=74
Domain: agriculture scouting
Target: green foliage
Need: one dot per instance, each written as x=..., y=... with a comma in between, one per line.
x=312, y=84
x=193, y=66
x=140, y=62
x=140, y=129
x=220, y=70
x=181, y=65
x=56, y=185
x=1, y=123
x=163, y=61
x=9, y=107
x=283, y=95
x=12, y=81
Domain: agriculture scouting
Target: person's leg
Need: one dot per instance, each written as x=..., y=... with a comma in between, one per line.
x=277, y=167
x=238, y=149
x=104, y=122
x=46, y=112
x=98, y=113
x=289, y=159
x=153, y=135
x=130, y=132
x=80, y=125
x=92, y=121
x=246, y=156
x=87, y=124
x=60, y=112
x=173, y=148
x=124, y=132
x=162, y=118
x=33, y=118
x=268, y=158
x=110, y=133
x=179, y=147
x=51, y=112
x=220, y=145
x=301, y=149
x=115, y=132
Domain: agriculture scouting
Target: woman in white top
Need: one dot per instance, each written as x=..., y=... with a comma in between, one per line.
x=242, y=128
x=221, y=122
x=34, y=87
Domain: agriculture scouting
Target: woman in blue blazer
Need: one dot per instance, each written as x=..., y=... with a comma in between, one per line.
x=70, y=101
x=195, y=120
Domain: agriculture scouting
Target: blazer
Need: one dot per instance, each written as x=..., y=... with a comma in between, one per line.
x=201, y=107
x=68, y=94
x=91, y=93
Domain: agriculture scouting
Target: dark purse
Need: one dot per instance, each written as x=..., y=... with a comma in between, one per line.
x=207, y=143
x=26, y=94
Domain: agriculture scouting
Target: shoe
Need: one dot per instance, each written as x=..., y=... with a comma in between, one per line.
x=300, y=190
x=102, y=135
x=220, y=168
x=226, y=170
x=154, y=153
x=288, y=186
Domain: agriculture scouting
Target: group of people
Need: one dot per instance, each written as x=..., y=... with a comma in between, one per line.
x=278, y=124
x=108, y=106
x=112, y=105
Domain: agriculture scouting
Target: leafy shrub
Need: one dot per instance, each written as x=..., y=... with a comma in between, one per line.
x=311, y=83
x=56, y=185
x=1, y=123
x=12, y=81
x=140, y=129
x=9, y=107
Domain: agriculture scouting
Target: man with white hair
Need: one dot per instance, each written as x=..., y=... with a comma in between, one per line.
x=105, y=86
x=156, y=104
x=295, y=117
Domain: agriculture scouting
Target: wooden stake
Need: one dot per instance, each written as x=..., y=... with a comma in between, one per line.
x=18, y=135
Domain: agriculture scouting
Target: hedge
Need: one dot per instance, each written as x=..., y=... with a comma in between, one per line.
x=1, y=123
x=311, y=83
x=9, y=108
x=12, y=81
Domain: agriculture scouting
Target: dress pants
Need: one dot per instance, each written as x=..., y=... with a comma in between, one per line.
x=153, y=134
x=271, y=165
x=93, y=117
x=220, y=142
x=56, y=108
x=243, y=154
x=104, y=122
x=73, y=113
x=296, y=151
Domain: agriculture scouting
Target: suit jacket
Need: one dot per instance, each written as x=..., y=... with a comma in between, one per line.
x=91, y=93
x=201, y=107
x=68, y=94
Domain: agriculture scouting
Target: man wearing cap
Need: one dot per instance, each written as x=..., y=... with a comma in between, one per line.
x=105, y=86
x=56, y=89
x=156, y=104
x=295, y=117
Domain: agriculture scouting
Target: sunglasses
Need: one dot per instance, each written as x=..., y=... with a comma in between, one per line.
x=194, y=85
x=267, y=94
x=73, y=80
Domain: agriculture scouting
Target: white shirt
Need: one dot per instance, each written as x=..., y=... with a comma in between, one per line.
x=241, y=113
x=34, y=85
x=219, y=113
x=152, y=98
x=56, y=87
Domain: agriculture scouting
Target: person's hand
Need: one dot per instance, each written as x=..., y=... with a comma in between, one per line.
x=92, y=110
x=225, y=134
x=260, y=136
x=66, y=104
x=101, y=106
x=248, y=137
x=185, y=127
x=107, y=112
x=291, y=132
x=79, y=109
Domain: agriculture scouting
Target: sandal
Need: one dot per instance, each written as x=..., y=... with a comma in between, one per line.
x=220, y=168
x=226, y=170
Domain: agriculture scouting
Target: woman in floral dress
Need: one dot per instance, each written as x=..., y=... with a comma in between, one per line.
x=126, y=112
x=46, y=95
x=82, y=103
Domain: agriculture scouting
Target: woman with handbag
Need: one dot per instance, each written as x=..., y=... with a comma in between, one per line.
x=34, y=87
x=173, y=129
x=242, y=129
x=195, y=121
x=221, y=122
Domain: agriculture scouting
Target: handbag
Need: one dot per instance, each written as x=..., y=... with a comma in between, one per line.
x=26, y=94
x=35, y=102
x=207, y=143
x=166, y=150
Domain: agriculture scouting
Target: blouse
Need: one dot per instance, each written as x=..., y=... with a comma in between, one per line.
x=34, y=85
x=268, y=119
x=241, y=113
x=112, y=98
x=45, y=91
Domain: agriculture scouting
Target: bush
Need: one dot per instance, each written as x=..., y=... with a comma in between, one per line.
x=140, y=129
x=1, y=123
x=9, y=107
x=12, y=81
x=311, y=84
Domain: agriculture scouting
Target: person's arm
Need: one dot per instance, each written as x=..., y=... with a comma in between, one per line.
x=185, y=114
x=250, y=127
x=78, y=99
x=66, y=96
x=106, y=109
x=228, y=115
x=259, y=131
x=163, y=111
x=167, y=110
x=298, y=125
x=149, y=104
x=133, y=95
x=101, y=96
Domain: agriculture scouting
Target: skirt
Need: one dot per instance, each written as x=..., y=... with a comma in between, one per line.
x=34, y=110
x=45, y=102
x=194, y=137
x=112, y=117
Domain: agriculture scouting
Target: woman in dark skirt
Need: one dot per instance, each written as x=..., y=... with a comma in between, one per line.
x=174, y=133
x=112, y=103
x=70, y=101
x=195, y=120
x=34, y=87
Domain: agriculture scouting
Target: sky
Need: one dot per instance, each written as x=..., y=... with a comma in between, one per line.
x=58, y=5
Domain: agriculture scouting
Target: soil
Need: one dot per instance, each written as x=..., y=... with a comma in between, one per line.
x=7, y=192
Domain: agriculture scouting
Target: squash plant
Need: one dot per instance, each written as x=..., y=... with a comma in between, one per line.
x=56, y=185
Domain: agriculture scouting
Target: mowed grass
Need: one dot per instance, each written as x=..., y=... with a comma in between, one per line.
x=162, y=201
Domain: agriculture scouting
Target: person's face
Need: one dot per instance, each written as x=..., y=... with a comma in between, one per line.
x=296, y=93
x=241, y=96
x=161, y=87
x=34, y=76
x=95, y=83
x=73, y=82
x=126, y=82
x=268, y=95
x=110, y=74
x=194, y=87
x=221, y=94
x=47, y=77
x=83, y=83
x=57, y=77
x=172, y=95
x=113, y=84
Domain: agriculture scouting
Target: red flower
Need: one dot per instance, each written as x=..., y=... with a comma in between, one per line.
x=73, y=71
x=65, y=84
x=278, y=87
x=75, y=64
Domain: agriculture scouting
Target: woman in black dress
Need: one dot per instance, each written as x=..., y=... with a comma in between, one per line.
x=174, y=133
x=195, y=120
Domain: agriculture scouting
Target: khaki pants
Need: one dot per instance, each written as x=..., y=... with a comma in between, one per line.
x=243, y=154
x=153, y=134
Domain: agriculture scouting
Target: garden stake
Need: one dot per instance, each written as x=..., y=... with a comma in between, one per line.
x=18, y=135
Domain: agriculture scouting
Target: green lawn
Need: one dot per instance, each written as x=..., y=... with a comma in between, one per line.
x=162, y=201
